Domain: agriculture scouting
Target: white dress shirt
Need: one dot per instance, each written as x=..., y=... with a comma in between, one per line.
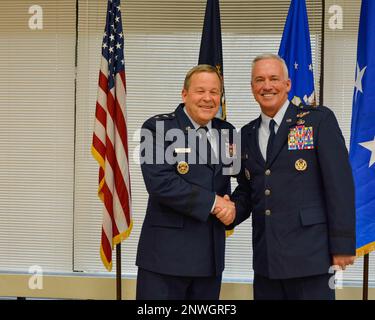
x=211, y=138
x=264, y=131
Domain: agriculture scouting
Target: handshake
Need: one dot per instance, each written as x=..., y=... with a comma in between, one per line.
x=224, y=210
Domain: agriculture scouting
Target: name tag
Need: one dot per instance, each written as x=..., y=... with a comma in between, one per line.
x=182, y=150
x=301, y=138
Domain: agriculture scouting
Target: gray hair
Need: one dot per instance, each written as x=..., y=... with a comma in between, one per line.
x=266, y=56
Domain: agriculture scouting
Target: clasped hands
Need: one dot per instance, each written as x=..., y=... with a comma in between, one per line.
x=224, y=210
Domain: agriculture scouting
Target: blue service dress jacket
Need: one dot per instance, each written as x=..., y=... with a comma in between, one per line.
x=179, y=235
x=301, y=199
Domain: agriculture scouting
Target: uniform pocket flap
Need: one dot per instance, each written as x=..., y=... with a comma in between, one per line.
x=167, y=220
x=313, y=215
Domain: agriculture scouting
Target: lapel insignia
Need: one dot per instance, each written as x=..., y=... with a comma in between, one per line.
x=182, y=167
x=301, y=138
x=301, y=165
x=288, y=120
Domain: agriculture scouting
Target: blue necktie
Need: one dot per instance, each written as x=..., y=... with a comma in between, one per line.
x=203, y=135
x=270, y=139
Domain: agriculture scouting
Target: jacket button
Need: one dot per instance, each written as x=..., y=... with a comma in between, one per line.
x=268, y=212
x=267, y=192
x=268, y=172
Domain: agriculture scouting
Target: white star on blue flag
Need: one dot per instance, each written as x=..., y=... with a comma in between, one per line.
x=362, y=141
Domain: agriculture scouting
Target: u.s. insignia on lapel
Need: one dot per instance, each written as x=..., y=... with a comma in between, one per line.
x=182, y=167
x=301, y=165
x=301, y=138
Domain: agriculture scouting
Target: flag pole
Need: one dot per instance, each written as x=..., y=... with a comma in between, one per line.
x=118, y=271
x=114, y=185
x=321, y=80
x=365, y=276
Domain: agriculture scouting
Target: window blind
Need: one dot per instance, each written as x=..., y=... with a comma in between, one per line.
x=37, y=135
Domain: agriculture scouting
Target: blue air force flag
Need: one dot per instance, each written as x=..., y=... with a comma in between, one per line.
x=211, y=51
x=295, y=49
x=362, y=142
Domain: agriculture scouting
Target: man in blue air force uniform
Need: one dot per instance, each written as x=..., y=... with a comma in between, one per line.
x=297, y=182
x=181, y=246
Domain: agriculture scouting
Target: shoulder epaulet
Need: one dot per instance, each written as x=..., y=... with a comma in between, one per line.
x=249, y=125
x=254, y=121
x=165, y=116
x=224, y=124
x=222, y=121
x=305, y=107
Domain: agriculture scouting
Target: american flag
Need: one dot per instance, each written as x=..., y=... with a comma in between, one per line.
x=110, y=140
